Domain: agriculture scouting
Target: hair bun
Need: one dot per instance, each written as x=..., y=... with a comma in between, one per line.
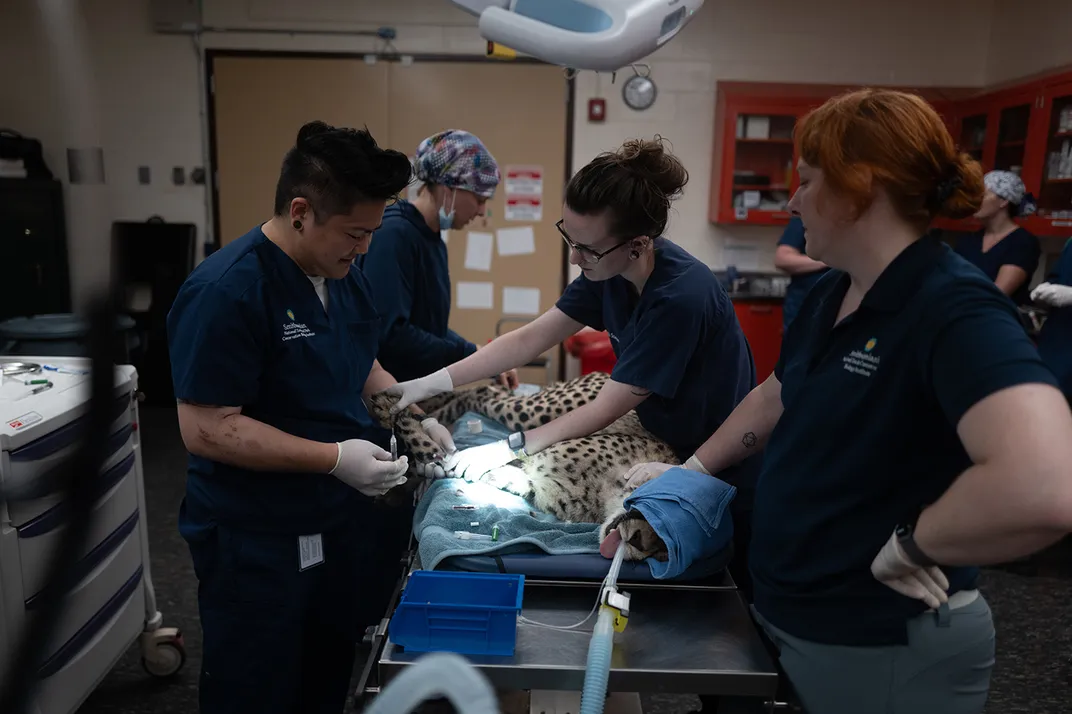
x=961, y=194
x=311, y=131
x=651, y=162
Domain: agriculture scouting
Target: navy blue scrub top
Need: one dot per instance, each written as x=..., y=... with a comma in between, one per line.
x=868, y=437
x=406, y=267
x=1055, y=339
x=680, y=339
x=247, y=329
x=1020, y=248
x=799, y=285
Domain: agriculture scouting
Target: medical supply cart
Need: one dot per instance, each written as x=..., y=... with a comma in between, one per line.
x=44, y=404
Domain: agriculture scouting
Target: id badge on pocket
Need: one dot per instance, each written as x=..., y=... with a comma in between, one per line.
x=310, y=551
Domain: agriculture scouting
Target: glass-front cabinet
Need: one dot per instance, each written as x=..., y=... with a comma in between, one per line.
x=1025, y=129
x=1055, y=190
x=756, y=177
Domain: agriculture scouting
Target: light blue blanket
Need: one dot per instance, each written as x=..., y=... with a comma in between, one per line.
x=689, y=511
x=520, y=529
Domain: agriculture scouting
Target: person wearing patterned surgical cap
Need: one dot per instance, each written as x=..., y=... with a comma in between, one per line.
x=406, y=264
x=1006, y=252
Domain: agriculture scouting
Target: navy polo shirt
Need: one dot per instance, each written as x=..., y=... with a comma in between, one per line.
x=406, y=268
x=868, y=436
x=1055, y=339
x=680, y=339
x=248, y=330
x=799, y=285
x=1020, y=248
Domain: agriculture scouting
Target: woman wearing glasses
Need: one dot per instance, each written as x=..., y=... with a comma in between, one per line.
x=683, y=362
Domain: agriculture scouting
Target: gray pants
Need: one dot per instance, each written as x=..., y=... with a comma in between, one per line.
x=944, y=669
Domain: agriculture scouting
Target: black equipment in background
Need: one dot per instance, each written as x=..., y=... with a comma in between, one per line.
x=152, y=259
x=34, y=273
x=25, y=150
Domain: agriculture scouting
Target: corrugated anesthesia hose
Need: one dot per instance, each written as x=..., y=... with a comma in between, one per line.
x=437, y=675
x=601, y=646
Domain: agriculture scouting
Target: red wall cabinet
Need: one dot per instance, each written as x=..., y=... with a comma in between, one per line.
x=1025, y=128
x=761, y=321
x=757, y=173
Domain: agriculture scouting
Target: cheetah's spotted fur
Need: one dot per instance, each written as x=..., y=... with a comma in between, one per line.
x=579, y=480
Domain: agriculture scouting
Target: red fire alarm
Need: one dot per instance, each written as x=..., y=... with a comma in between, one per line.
x=597, y=110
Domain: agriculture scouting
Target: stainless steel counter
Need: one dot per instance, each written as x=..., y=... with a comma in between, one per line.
x=678, y=640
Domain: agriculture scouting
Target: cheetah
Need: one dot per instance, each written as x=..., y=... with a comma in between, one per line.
x=578, y=480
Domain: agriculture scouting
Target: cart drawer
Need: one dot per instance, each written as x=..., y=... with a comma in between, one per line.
x=120, y=446
x=39, y=538
x=71, y=674
x=98, y=577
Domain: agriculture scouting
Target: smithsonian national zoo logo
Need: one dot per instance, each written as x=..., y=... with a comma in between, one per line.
x=863, y=362
x=293, y=330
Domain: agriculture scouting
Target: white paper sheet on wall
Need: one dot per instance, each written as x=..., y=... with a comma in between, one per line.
x=475, y=296
x=478, y=251
x=521, y=301
x=516, y=241
x=743, y=256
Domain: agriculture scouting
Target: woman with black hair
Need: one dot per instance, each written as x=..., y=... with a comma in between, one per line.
x=1006, y=252
x=273, y=343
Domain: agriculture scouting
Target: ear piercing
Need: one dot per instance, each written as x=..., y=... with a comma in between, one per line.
x=297, y=225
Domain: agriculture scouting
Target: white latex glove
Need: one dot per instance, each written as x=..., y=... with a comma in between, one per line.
x=1052, y=294
x=642, y=473
x=368, y=468
x=694, y=464
x=892, y=568
x=440, y=435
x=473, y=463
x=416, y=390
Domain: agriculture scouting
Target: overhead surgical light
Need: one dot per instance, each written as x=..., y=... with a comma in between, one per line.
x=597, y=35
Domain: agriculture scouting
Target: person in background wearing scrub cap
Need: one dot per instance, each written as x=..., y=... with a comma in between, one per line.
x=407, y=263
x=1055, y=340
x=1007, y=253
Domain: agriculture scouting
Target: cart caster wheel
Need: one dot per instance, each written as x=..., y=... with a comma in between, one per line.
x=163, y=654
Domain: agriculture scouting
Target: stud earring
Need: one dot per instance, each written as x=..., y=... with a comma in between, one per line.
x=297, y=225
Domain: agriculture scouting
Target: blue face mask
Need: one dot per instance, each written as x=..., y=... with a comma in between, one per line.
x=446, y=220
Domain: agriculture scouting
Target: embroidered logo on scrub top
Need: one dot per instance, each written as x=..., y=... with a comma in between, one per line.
x=293, y=330
x=863, y=362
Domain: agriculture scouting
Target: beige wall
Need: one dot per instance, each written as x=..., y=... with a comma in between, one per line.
x=148, y=96
x=1027, y=38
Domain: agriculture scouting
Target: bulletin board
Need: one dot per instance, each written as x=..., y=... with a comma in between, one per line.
x=511, y=265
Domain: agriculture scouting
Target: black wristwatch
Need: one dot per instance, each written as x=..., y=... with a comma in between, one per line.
x=908, y=543
x=516, y=442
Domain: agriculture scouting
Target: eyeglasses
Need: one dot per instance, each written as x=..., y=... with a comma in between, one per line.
x=587, y=254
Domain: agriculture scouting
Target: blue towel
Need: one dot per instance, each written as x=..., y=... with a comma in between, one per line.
x=688, y=510
x=520, y=528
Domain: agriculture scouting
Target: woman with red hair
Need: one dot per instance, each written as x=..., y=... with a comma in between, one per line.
x=911, y=431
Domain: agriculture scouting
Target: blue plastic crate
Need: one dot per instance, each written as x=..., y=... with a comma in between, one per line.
x=464, y=613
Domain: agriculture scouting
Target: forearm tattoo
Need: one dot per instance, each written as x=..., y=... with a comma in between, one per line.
x=749, y=440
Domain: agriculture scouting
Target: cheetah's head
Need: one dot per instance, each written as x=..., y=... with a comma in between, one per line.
x=641, y=540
